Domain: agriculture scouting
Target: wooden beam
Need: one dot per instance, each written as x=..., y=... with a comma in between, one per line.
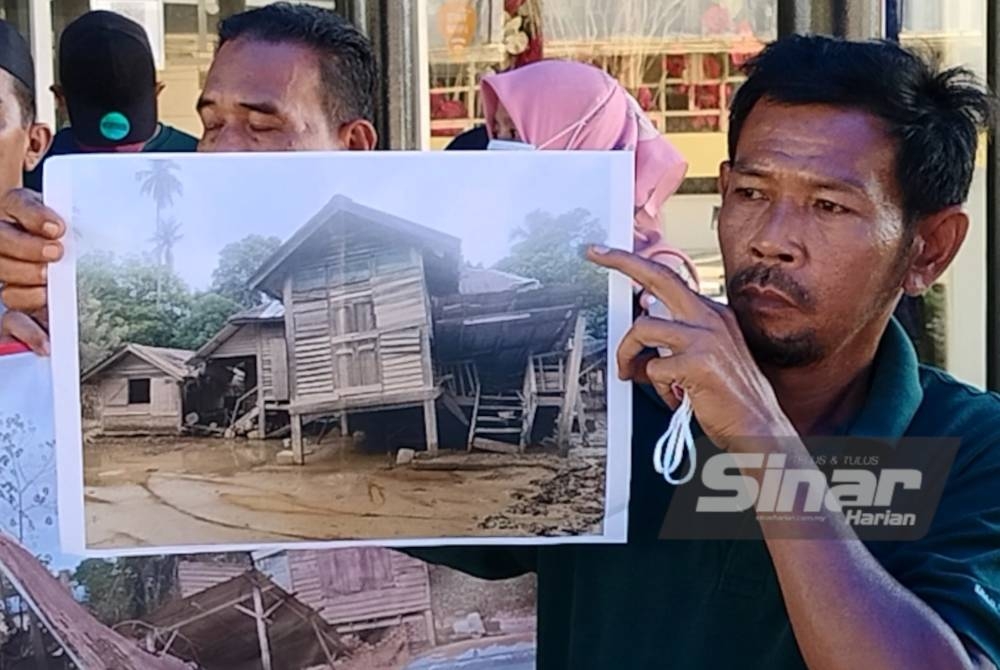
x=290, y=338
x=265, y=647
x=430, y=426
x=262, y=417
x=298, y=448
x=345, y=428
x=572, y=384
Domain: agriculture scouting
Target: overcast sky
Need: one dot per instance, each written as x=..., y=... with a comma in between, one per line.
x=478, y=197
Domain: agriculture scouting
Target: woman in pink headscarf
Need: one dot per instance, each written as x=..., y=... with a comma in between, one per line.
x=555, y=104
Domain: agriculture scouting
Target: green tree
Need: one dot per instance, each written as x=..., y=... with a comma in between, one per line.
x=209, y=313
x=99, y=336
x=126, y=588
x=238, y=262
x=548, y=248
x=130, y=299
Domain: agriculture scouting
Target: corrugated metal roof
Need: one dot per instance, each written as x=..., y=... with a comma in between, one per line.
x=485, y=280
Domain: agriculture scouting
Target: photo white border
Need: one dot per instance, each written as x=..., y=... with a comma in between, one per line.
x=64, y=324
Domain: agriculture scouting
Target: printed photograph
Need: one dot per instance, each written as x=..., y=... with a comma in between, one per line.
x=289, y=349
x=365, y=608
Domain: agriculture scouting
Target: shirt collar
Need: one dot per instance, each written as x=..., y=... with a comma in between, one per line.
x=895, y=393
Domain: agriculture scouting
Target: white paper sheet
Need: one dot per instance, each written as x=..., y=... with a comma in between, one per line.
x=431, y=200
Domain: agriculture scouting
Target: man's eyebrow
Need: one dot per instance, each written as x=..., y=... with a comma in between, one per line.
x=262, y=107
x=843, y=183
x=268, y=108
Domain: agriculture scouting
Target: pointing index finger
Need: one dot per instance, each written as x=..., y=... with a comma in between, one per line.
x=662, y=282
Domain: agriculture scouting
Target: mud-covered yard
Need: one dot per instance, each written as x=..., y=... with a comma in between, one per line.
x=182, y=491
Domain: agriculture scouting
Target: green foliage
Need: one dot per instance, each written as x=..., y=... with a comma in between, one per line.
x=238, y=262
x=549, y=248
x=126, y=588
x=133, y=300
x=209, y=313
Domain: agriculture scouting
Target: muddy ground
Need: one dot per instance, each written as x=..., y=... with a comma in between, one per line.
x=183, y=491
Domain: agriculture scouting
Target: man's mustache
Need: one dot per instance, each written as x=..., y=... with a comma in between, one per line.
x=764, y=276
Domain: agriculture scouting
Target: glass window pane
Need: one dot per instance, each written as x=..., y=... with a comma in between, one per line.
x=680, y=59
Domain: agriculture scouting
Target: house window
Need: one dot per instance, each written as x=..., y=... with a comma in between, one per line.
x=357, y=316
x=357, y=364
x=138, y=391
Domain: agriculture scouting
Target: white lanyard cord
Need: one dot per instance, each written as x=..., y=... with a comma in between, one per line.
x=674, y=443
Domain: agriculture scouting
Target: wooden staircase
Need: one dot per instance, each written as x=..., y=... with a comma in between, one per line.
x=498, y=420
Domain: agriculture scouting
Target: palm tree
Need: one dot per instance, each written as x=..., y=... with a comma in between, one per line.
x=162, y=185
x=167, y=235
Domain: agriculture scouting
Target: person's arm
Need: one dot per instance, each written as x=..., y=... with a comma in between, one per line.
x=846, y=610
x=30, y=236
x=482, y=562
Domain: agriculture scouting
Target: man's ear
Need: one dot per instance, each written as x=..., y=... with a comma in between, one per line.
x=936, y=242
x=358, y=135
x=159, y=88
x=724, y=168
x=39, y=141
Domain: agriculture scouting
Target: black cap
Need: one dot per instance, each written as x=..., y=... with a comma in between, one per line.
x=15, y=55
x=471, y=140
x=108, y=78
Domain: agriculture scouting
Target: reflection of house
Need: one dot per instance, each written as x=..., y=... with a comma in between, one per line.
x=354, y=590
x=139, y=389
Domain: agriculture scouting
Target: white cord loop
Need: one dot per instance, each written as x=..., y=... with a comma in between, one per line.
x=675, y=442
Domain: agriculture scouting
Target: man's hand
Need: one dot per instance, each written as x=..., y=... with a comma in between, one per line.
x=22, y=327
x=29, y=241
x=730, y=395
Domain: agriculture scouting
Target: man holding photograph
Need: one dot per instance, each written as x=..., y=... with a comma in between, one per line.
x=23, y=142
x=284, y=78
x=849, y=166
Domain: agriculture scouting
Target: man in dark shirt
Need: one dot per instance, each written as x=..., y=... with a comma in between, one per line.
x=849, y=165
x=108, y=89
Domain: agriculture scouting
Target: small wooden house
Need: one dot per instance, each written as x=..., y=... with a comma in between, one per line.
x=253, y=342
x=356, y=285
x=139, y=389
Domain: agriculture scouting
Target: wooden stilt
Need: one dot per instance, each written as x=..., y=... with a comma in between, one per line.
x=430, y=426
x=298, y=448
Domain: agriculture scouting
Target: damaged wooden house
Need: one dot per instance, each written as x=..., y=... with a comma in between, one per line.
x=373, y=323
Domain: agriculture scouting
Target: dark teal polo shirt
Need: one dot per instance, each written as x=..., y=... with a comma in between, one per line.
x=697, y=604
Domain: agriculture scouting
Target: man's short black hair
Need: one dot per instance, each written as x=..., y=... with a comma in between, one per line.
x=347, y=61
x=934, y=115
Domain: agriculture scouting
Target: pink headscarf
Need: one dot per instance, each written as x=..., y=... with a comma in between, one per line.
x=561, y=105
